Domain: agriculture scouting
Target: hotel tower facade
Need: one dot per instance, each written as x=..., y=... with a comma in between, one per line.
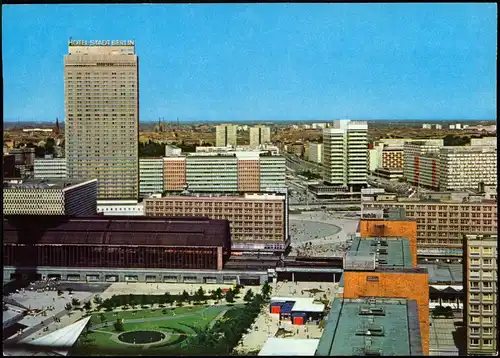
x=101, y=90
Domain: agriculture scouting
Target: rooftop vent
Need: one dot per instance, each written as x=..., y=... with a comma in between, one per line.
x=383, y=251
x=383, y=242
x=370, y=331
x=371, y=311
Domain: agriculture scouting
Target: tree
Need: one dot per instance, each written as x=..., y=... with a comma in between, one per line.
x=68, y=306
x=87, y=305
x=75, y=302
x=200, y=293
x=168, y=299
x=266, y=290
x=118, y=325
x=218, y=293
x=230, y=296
x=248, y=296
x=102, y=317
x=185, y=296
x=97, y=300
x=49, y=146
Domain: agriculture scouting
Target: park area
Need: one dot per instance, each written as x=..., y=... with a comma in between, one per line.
x=167, y=324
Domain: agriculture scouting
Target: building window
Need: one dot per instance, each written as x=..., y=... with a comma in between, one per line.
x=488, y=342
x=474, y=342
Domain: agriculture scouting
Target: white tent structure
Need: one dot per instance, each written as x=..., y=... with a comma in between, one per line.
x=64, y=337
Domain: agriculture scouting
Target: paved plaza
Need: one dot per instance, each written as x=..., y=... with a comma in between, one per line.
x=327, y=232
x=138, y=288
x=267, y=325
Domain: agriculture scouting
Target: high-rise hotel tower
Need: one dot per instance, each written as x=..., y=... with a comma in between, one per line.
x=345, y=153
x=102, y=115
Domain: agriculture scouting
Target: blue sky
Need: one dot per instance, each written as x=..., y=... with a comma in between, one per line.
x=271, y=62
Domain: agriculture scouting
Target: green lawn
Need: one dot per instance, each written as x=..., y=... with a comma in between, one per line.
x=142, y=313
x=199, y=317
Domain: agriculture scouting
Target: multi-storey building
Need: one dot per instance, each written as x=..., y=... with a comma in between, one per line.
x=384, y=267
x=257, y=221
x=316, y=152
x=346, y=153
x=226, y=135
x=217, y=173
x=50, y=168
x=24, y=160
x=54, y=197
x=150, y=176
x=272, y=172
x=102, y=115
x=174, y=173
x=463, y=168
x=413, y=151
x=442, y=218
x=428, y=175
x=172, y=150
x=259, y=135
x=481, y=295
x=9, y=167
x=239, y=171
x=486, y=141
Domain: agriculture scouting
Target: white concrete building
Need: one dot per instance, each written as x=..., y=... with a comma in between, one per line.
x=491, y=141
x=120, y=207
x=50, y=168
x=463, y=168
x=346, y=153
x=316, y=152
x=50, y=197
x=426, y=126
x=172, y=151
x=259, y=135
x=150, y=176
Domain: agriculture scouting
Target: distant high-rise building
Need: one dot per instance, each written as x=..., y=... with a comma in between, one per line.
x=226, y=135
x=102, y=115
x=316, y=152
x=259, y=135
x=346, y=153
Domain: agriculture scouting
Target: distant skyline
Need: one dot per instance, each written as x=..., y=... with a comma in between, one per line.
x=267, y=62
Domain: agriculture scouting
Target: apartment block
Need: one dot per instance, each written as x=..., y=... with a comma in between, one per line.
x=9, y=167
x=50, y=197
x=316, y=152
x=481, y=293
x=102, y=116
x=441, y=218
x=465, y=167
x=486, y=141
x=212, y=173
x=50, y=168
x=24, y=160
x=259, y=135
x=383, y=267
x=174, y=173
x=150, y=176
x=272, y=172
x=249, y=172
x=429, y=171
x=257, y=221
x=346, y=153
x=413, y=153
x=239, y=171
x=226, y=135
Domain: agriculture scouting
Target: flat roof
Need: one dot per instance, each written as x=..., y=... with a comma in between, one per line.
x=36, y=184
x=265, y=196
x=117, y=230
x=444, y=273
x=289, y=347
x=392, y=252
x=386, y=326
x=301, y=304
